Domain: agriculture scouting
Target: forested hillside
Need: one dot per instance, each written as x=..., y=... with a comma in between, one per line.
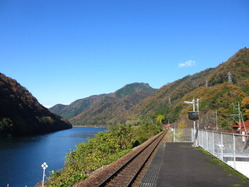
x=217, y=93
x=106, y=108
x=22, y=114
x=220, y=90
x=75, y=108
x=109, y=110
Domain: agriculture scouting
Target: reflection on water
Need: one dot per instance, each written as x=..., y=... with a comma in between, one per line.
x=21, y=157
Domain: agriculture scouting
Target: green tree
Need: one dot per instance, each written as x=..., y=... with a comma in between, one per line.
x=101, y=150
x=245, y=106
x=6, y=124
x=160, y=118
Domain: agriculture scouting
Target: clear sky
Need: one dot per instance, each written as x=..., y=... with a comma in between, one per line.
x=63, y=50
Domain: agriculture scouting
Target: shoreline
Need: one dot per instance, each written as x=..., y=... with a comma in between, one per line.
x=90, y=126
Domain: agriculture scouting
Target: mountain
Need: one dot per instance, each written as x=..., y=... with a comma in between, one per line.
x=130, y=89
x=75, y=108
x=109, y=110
x=105, y=108
x=22, y=114
x=219, y=88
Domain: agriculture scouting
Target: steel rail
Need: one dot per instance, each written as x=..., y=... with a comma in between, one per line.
x=141, y=167
x=115, y=173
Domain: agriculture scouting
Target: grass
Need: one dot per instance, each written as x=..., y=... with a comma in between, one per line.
x=236, y=185
x=184, y=145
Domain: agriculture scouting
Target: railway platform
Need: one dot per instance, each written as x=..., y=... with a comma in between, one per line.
x=181, y=165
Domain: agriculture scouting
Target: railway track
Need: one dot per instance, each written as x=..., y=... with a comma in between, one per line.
x=128, y=172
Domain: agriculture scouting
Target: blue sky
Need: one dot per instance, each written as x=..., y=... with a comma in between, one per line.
x=63, y=50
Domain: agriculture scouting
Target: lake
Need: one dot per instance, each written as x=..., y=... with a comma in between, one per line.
x=21, y=157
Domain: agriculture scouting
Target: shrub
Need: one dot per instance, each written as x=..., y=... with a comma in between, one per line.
x=101, y=150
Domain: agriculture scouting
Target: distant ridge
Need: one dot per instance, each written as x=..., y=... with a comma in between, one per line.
x=132, y=88
x=211, y=85
x=21, y=113
x=102, y=109
x=76, y=107
x=219, y=88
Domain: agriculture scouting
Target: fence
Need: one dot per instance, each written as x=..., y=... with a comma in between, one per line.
x=233, y=149
x=182, y=134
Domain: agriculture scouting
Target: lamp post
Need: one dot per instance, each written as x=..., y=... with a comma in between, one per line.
x=44, y=167
x=195, y=103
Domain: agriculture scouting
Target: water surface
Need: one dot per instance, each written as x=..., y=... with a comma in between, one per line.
x=21, y=157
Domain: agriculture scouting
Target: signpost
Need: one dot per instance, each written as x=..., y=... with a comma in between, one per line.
x=44, y=167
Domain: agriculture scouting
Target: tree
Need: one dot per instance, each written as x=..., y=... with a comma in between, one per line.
x=6, y=124
x=245, y=106
x=160, y=118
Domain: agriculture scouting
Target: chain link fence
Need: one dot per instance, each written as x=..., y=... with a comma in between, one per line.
x=182, y=134
x=233, y=149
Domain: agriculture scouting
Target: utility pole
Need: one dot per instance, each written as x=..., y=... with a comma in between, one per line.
x=240, y=118
x=198, y=108
x=195, y=104
x=216, y=120
x=229, y=77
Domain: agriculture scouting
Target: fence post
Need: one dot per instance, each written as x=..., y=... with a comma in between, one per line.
x=174, y=135
x=213, y=143
x=234, y=152
x=192, y=134
x=207, y=141
x=203, y=139
x=222, y=146
x=200, y=138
